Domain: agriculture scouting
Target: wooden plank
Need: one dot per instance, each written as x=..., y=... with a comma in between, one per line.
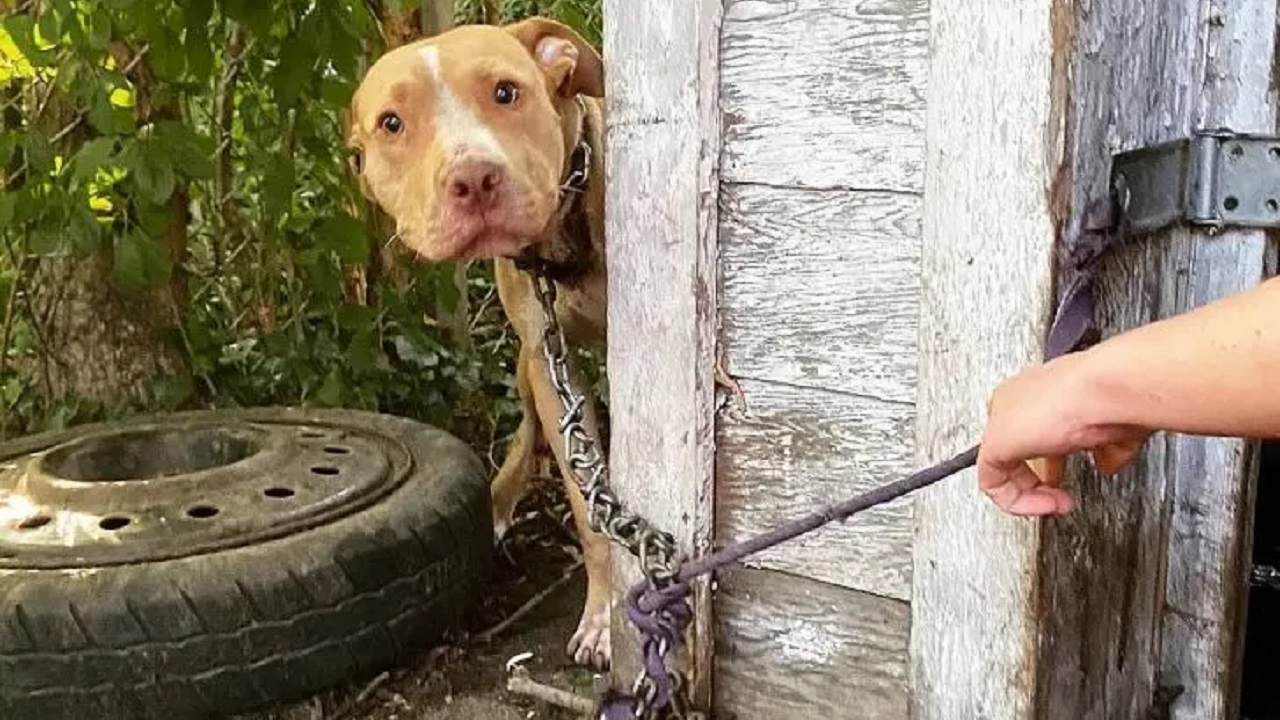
x=825, y=93
x=1145, y=585
x=993, y=144
x=821, y=289
x=663, y=128
x=796, y=449
x=789, y=647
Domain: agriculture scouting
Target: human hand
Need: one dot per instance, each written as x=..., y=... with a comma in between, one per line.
x=1035, y=420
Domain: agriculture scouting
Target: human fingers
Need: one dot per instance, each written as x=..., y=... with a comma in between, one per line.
x=1021, y=492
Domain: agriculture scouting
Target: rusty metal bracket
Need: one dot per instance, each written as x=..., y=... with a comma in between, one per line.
x=1215, y=179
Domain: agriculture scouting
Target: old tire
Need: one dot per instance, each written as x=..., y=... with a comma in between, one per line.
x=184, y=625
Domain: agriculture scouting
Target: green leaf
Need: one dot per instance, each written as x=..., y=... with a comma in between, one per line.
x=94, y=155
x=150, y=168
x=363, y=351
x=329, y=394
x=140, y=261
x=102, y=114
x=100, y=28
x=293, y=74
x=314, y=30
x=26, y=208
x=277, y=190
x=9, y=142
x=199, y=57
x=190, y=153
x=355, y=318
x=47, y=238
x=21, y=29
x=8, y=205
x=83, y=230
x=167, y=57
x=253, y=14
x=49, y=28
x=39, y=153
x=344, y=236
x=154, y=219
x=195, y=16
x=336, y=92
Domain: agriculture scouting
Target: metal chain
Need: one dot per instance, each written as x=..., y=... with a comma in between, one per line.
x=657, y=551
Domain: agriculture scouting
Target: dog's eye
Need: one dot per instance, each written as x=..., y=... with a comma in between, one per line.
x=505, y=93
x=391, y=123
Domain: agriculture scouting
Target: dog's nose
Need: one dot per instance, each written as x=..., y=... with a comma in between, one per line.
x=474, y=184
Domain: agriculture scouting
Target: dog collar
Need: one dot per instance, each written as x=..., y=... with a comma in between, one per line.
x=579, y=172
x=571, y=188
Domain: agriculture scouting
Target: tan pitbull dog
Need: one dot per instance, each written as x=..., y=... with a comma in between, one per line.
x=466, y=140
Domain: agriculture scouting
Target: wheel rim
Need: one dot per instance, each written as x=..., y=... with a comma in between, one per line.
x=163, y=490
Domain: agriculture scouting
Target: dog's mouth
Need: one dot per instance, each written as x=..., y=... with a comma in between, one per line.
x=489, y=244
x=504, y=231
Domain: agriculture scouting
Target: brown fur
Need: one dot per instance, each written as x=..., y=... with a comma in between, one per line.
x=407, y=174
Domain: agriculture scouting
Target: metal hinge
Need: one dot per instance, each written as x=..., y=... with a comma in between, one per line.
x=1214, y=179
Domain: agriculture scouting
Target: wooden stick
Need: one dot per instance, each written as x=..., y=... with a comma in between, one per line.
x=520, y=683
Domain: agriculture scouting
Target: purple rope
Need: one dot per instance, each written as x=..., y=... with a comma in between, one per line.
x=663, y=613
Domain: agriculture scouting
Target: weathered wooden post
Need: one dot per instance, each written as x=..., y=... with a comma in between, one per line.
x=660, y=204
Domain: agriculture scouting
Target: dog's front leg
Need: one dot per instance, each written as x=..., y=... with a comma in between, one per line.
x=590, y=643
x=512, y=481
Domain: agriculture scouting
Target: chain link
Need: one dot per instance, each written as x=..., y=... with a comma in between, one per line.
x=657, y=551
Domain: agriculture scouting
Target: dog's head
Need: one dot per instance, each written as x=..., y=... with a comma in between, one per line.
x=460, y=137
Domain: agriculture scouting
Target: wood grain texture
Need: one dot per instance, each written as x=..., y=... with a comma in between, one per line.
x=789, y=647
x=663, y=128
x=825, y=93
x=821, y=289
x=795, y=450
x=993, y=130
x=1145, y=584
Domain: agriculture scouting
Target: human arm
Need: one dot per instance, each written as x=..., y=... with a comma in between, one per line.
x=1213, y=371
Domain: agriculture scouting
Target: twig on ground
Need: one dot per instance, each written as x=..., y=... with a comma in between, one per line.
x=520, y=683
x=529, y=605
x=343, y=711
x=373, y=685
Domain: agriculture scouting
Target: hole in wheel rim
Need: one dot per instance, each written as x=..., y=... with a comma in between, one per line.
x=150, y=453
x=115, y=522
x=337, y=450
x=35, y=522
x=325, y=470
x=202, y=512
x=278, y=492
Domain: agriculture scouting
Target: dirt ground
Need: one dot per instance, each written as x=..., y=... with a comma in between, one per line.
x=466, y=678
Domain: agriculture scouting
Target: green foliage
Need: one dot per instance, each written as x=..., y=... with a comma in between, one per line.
x=111, y=130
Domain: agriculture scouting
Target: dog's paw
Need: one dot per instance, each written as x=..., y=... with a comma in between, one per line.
x=501, y=526
x=589, y=645
x=504, y=514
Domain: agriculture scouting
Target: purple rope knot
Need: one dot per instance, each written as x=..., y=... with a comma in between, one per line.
x=660, y=615
x=1102, y=228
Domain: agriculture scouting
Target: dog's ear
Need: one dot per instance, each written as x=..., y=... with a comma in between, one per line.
x=572, y=65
